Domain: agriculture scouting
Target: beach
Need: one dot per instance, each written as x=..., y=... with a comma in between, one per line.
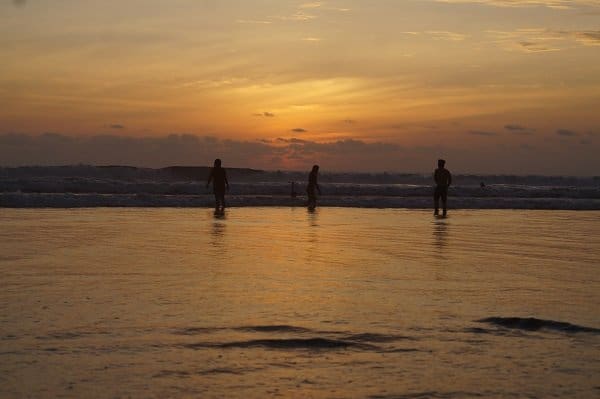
x=283, y=302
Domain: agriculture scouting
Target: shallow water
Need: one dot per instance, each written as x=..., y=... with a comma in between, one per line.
x=267, y=302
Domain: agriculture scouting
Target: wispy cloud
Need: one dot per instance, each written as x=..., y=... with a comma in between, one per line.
x=314, y=4
x=253, y=21
x=518, y=129
x=299, y=130
x=566, y=133
x=116, y=126
x=537, y=40
x=482, y=133
x=299, y=15
x=312, y=39
x=588, y=38
x=446, y=35
x=303, y=13
x=293, y=140
x=439, y=35
x=213, y=83
x=556, y=4
x=323, y=6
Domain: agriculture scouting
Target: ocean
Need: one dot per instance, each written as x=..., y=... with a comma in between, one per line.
x=120, y=186
x=282, y=302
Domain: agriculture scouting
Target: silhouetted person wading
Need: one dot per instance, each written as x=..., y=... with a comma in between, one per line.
x=218, y=176
x=312, y=186
x=443, y=179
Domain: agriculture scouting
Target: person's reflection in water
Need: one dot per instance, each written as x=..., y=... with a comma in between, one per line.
x=218, y=231
x=440, y=234
x=440, y=250
x=313, y=217
x=311, y=250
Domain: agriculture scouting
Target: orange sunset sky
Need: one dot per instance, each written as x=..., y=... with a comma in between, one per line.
x=494, y=86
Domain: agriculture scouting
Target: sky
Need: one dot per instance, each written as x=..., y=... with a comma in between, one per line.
x=492, y=86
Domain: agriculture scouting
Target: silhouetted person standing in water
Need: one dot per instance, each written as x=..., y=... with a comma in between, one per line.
x=443, y=179
x=218, y=176
x=312, y=186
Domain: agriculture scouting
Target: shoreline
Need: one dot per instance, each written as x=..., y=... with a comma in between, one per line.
x=88, y=200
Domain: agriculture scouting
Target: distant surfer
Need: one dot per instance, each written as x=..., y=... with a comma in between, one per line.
x=443, y=179
x=218, y=176
x=313, y=187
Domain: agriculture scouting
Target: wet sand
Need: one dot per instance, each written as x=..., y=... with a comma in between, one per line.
x=279, y=301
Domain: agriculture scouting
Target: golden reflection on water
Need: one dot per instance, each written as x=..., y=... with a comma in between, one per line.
x=122, y=284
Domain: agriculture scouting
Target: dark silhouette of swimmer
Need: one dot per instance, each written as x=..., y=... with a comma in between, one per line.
x=443, y=179
x=218, y=176
x=313, y=187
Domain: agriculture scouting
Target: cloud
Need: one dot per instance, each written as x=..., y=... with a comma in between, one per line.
x=549, y=157
x=518, y=129
x=116, y=126
x=299, y=15
x=265, y=114
x=588, y=38
x=446, y=35
x=482, y=133
x=187, y=149
x=174, y=149
x=566, y=133
x=314, y=4
x=349, y=121
x=214, y=83
x=312, y=39
x=556, y=4
x=439, y=35
x=253, y=21
x=533, y=47
x=292, y=140
x=299, y=130
x=539, y=40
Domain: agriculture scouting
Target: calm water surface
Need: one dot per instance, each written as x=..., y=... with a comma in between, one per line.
x=266, y=302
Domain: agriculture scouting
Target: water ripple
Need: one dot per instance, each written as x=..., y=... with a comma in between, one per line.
x=291, y=343
x=533, y=324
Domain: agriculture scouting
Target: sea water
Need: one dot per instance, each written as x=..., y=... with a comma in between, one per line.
x=282, y=302
x=81, y=186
